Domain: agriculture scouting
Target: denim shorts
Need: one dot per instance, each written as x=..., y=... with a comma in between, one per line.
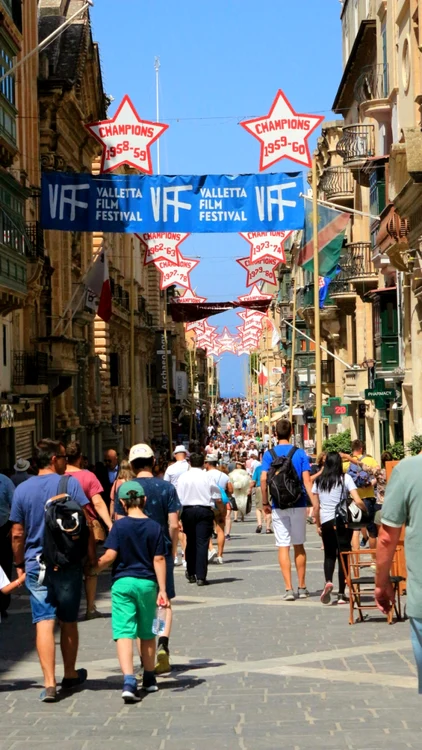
x=58, y=596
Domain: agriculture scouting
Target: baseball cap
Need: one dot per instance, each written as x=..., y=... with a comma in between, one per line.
x=179, y=449
x=212, y=458
x=141, y=450
x=128, y=487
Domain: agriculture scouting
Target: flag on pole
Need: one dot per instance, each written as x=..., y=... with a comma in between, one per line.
x=262, y=375
x=98, y=288
x=332, y=225
x=276, y=335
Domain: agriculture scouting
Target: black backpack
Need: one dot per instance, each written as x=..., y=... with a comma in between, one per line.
x=283, y=483
x=66, y=531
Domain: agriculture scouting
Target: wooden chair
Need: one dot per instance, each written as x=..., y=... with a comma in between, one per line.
x=359, y=572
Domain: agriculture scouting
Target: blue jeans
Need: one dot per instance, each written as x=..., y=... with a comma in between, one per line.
x=416, y=638
x=58, y=596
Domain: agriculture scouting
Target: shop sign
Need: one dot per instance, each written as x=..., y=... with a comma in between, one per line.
x=334, y=411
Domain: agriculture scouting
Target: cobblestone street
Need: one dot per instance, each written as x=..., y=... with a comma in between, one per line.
x=250, y=672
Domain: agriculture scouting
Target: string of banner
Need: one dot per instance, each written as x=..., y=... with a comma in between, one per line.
x=166, y=205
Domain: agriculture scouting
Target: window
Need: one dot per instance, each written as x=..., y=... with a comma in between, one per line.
x=114, y=369
x=4, y=345
x=8, y=84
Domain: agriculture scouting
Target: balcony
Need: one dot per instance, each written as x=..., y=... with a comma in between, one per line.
x=360, y=265
x=119, y=295
x=371, y=90
x=146, y=317
x=35, y=236
x=356, y=145
x=337, y=183
x=30, y=372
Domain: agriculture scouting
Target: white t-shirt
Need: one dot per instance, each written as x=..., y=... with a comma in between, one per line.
x=329, y=500
x=219, y=479
x=4, y=581
x=174, y=471
x=195, y=488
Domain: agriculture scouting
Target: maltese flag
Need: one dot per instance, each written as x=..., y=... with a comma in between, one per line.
x=98, y=289
x=276, y=335
x=262, y=375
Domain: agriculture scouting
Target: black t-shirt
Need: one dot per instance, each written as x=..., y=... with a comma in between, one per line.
x=162, y=499
x=137, y=541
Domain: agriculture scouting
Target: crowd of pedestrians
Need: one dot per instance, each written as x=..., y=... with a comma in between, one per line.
x=148, y=518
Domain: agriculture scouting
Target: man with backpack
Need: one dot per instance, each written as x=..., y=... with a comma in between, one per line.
x=50, y=538
x=285, y=486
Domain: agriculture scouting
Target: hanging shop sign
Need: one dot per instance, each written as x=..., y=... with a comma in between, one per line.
x=156, y=203
x=261, y=270
x=334, y=410
x=283, y=133
x=379, y=394
x=266, y=243
x=161, y=246
x=161, y=370
x=126, y=139
x=181, y=385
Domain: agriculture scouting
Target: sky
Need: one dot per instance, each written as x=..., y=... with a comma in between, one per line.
x=221, y=61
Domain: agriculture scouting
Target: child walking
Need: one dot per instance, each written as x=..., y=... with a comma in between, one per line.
x=6, y=587
x=135, y=547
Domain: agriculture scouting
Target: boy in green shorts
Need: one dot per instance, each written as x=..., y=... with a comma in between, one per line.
x=135, y=547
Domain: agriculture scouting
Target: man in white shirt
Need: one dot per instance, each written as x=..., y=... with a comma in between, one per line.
x=195, y=490
x=174, y=471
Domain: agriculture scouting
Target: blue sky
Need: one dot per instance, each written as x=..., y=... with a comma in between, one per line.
x=221, y=62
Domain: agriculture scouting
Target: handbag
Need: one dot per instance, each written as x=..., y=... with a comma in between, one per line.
x=348, y=514
x=98, y=530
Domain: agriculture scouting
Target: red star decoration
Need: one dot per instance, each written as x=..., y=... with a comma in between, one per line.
x=190, y=297
x=126, y=139
x=283, y=133
x=176, y=273
x=261, y=270
x=226, y=342
x=161, y=246
x=263, y=244
x=254, y=295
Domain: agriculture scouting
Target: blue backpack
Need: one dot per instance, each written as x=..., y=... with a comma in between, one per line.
x=360, y=477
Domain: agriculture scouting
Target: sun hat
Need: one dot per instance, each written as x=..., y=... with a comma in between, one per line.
x=140, y=450
x=212, y=458
x=127, y=488
x=21, y=465
x=179, y=449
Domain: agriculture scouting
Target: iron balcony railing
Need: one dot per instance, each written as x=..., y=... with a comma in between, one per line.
x=337, y=181
x=372, y=83
x=305, y=297
x=341, y=283
x=30, y=368
x=360, y=260
x=357, y=143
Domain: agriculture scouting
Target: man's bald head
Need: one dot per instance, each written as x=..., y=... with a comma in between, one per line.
x=111, y=458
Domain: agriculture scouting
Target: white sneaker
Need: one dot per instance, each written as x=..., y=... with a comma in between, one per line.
x=212, y=554
x=219, y=561
x=185, y=565
x=177, y=562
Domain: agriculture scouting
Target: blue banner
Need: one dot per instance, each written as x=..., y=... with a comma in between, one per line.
x=153, y=203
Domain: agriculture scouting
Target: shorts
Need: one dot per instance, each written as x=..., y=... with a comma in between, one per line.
x=58, y=596
x=372, y=507
x=416, y=638
x=289, y=526
x=258, y=498
x=170, y=590
x=133, y=605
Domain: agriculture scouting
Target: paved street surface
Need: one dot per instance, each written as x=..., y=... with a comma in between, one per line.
x=250, y=672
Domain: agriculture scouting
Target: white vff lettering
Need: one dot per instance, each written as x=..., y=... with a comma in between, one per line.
x=65, y=194
x=167, y=201
x=273, y=200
